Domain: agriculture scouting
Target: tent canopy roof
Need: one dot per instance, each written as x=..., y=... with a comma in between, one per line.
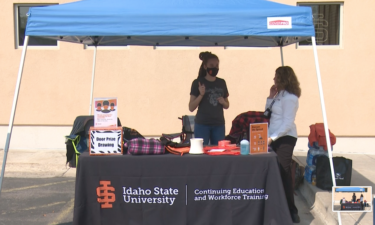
x=252, y=23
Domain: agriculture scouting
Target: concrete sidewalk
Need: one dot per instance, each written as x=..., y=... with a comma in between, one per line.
x=315, y=205
x=37, y=164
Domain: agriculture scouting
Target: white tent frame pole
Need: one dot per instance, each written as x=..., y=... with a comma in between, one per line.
x=93, y=79
x=14, y=106
x=282, y=55
x=324, y=116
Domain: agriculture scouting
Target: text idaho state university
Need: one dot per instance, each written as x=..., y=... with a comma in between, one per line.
x=158, y=195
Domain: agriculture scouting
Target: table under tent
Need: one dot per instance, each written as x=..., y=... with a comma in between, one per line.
x=240, y=23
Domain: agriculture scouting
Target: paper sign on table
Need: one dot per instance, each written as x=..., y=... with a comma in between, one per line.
x=105, y=112
x=105, y=141
x=258, y=138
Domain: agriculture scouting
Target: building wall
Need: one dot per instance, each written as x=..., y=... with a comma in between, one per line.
x=153, y=86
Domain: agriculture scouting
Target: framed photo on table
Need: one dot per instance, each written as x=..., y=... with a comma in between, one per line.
x=105, y=141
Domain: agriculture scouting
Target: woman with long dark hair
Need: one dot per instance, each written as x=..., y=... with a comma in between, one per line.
x=354, y=197
x=283, y=105
x=210, y=95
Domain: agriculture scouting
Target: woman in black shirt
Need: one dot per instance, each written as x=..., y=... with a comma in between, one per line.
x=210, y=94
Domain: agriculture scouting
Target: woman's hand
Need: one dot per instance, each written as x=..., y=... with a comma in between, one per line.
x=195, y=100
x=224, y=102
x=221, y=100
x=201, y=88
x=273, y=91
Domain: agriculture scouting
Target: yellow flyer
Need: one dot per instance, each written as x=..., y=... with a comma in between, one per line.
x=258, y=138
x=105, y=112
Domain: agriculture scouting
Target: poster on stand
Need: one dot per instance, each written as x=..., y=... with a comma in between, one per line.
x=105, y=112
x=258, y=138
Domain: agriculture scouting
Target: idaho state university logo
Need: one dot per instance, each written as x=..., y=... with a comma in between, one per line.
x=106, y=195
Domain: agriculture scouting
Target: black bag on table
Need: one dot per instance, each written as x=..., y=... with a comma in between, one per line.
x=343, y=172
x=187, y=130
x=130, y=134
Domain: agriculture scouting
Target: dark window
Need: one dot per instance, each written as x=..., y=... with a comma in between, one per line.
x=326, y=22
x=21, y=11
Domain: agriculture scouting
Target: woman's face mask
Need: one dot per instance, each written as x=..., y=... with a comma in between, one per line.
x=212, y=67
x=212, y=71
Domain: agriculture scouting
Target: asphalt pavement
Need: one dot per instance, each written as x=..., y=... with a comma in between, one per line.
x=37, y=201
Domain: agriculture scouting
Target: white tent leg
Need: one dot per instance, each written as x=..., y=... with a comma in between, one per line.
x=14, y=106
x=324, y=116
x=282, y=55
x=92, y=80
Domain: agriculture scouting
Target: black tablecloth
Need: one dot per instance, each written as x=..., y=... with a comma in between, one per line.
x=179, y=190
x=351, y=206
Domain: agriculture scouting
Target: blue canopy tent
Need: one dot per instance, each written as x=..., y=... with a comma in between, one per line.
x=173, y=23
x=244, y=23
x=350, y=189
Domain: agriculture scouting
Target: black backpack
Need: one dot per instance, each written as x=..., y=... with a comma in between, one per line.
x=343, y=172
x=77, y=140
